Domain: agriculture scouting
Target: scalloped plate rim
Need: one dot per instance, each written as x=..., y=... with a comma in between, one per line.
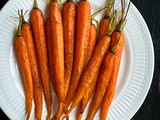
x=146, y=88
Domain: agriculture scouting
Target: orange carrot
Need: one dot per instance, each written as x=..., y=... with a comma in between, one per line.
x=104, y=24
x=91, y=44
x=117, y=44
x=37, y=23
x=94, y=64
x=86, y=98
x=49, y=50
x=109, y=94
x=102, y=83
x=37, y=88
x=22, y=54
x=58, y=49
x=82, y=35
x=91, y=70
x=69, y=19
x=90, y=47
x=103, y=27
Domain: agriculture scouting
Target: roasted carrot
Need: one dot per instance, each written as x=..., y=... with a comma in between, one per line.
x=82, y=34
x=37, y=88
x=104, y=24
x=91, y=69
x=102, y=83
x=94, y=64
x=117, y=44
x=91, y=44
x=86, y=98
x=49, y=50
x=23, y=58
x=37, y=24
x=109, y=94
x=58, y=49
x=69, y=20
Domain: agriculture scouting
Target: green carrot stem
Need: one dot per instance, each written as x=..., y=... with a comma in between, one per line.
x=109, y=6
x=96, y=13
x=123, y=18
x=35, y=4
x=19, y=32
x=94, y=21
x=113, y=23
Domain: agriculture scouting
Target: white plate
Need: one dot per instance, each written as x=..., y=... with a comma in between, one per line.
x=135, y=74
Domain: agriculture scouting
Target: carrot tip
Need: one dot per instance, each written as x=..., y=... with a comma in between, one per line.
x=81, y=112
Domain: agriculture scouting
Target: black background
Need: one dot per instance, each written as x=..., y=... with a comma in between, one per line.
x=150, y=10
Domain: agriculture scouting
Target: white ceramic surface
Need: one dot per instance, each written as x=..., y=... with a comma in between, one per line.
x=135, y=74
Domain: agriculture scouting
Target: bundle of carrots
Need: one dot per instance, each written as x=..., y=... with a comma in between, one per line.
x=64, y=50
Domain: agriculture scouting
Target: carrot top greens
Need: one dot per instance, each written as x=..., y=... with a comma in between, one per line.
x=113, y=23
x=110, y=5
x=35, y=4
x=122, y=21
x=19, y=26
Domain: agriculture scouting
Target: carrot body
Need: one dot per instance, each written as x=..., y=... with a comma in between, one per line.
x=82, y=34
x=27, y=34
x=91, y=44
x=103, y=27
x=69, y=20
x=102, y=83
x=49, y=50
x=86, y=99
x=23, y=58
x=109, y=94
x=37, y=23
x=58, y=49
x=91, y=70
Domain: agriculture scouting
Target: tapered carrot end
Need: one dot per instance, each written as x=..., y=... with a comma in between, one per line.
x=28, y=116
x=53, y=118
x=48, y=117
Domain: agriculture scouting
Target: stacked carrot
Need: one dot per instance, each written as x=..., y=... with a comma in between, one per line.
x=64, y=51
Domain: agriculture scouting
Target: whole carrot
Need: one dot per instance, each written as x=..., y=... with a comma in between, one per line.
x=90, y=47
x=109, y=94
x=58, y=49
x=91, y=44
x=91, y=70
x=104, y=24
x=37, y=24
x=22, y=54
x=82, y=34
x=37, y=88
x=94, y=64
x=69, y=21
x=102, y=83
x=117, y=44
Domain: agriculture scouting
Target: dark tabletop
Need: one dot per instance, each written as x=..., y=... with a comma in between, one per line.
x=150, y=10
